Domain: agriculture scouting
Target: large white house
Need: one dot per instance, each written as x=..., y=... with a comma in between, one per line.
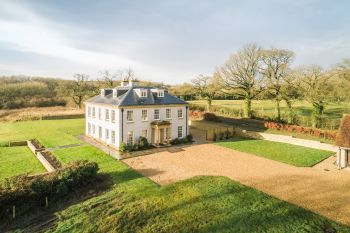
x=125, y=113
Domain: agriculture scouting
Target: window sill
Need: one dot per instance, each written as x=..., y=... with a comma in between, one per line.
x=144, y=120
x=130, y=122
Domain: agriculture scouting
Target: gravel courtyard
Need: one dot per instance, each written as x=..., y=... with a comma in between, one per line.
x=322, y=189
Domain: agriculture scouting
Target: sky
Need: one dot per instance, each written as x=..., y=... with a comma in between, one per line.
x=161, y=40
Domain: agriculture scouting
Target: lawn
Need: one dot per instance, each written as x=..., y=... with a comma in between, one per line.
x=291, y=154
x=18, y=160
x=303, y=109
x=199, y=204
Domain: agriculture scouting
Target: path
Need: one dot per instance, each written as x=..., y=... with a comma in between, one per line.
x=322, y=188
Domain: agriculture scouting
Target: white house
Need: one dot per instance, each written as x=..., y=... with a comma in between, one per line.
x=125, y=113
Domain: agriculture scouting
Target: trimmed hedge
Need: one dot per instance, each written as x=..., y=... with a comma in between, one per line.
x=29, y=192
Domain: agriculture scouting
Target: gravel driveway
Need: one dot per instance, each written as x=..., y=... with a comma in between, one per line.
x=322, y=189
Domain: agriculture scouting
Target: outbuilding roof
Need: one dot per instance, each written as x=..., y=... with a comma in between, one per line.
x=127, y=96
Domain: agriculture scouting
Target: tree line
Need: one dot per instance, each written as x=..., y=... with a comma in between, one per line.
x=257, y=73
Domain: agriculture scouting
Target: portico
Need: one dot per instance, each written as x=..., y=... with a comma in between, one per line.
x=160, y=132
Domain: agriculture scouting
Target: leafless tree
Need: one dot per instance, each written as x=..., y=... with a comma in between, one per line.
x=274, y=66
x=240, y=76
x=206, y=87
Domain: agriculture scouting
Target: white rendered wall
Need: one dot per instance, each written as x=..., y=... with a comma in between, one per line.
x=137, y=125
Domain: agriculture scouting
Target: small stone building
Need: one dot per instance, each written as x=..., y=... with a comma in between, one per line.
x=343, y=142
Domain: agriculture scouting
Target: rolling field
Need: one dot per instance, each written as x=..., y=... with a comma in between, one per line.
x=136, y=204
x=303, y=109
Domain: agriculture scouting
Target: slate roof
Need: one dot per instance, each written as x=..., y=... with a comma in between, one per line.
x=127, y=96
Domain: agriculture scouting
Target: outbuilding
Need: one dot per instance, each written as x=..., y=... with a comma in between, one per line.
x=343, y=142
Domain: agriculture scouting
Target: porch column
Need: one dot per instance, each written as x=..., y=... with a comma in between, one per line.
x=168, y=135
x=156, y=135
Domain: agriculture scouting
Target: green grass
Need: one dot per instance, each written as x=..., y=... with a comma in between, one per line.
x=18, y=160
x=200, y=204
x=282, y=152
x=303, y=109
x=51, y=133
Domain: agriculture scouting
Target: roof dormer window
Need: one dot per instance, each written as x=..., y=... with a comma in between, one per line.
x=143, y=93
x=160, y=93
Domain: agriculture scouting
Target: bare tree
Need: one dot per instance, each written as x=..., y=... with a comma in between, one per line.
x=315, y=87
x=79, y=89
x=274, y=67
x=240, y=76
x=206, y=87
x=108, y=79
x=343, y=69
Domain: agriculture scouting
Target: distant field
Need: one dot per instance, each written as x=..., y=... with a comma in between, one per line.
x=303, y=109
x=18, y=160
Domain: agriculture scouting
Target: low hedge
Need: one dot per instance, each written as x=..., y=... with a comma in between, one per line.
x=29, y=192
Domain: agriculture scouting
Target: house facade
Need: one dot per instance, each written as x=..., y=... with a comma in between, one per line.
x=126, y=113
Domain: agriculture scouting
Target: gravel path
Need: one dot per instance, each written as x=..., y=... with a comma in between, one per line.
x=322, y=189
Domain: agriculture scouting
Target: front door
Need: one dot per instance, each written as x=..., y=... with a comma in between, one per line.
x=161, y=136
x=153, y=136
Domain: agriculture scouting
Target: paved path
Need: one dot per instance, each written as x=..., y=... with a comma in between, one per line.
x=322, y=188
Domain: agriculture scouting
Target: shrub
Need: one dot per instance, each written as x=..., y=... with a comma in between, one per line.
x=209, y=116
x=143, y=143
x=122, y=147
x=177, y=141
x=189, y=138
x=27, y=192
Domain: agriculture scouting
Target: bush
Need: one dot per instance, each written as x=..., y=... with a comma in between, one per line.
x=122, y=147
x=210, y=116
x=143, y=143
x=26, y=192
x=189, y=138
x=177, y=141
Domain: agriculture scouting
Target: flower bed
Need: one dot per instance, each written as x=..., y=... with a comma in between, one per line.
x=327, y=134
x=51, y=159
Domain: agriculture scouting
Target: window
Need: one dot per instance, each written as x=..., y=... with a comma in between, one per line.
x=93, y=129
x=179, y=113
x=107, y=134
x=89, y=111
x=107, y=115
x=99, y=114
x=113, y=136
x=156, y=114
x=93, y=112
x=179, y=132
x=144, y=133
x=89, y=128
x=99, y=132
x=160, y=93
x=143, y=93
x=144, y=115
x=130, y=139
x=113, y=116
x=168, y=113
x=129, y=115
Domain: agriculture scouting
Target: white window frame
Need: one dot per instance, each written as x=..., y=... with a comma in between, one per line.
x=160, y=93
x=93, y=129
x=107, y=134
x=99, y=114
x=113, y=116
x=113, y=136
x=180, y=132
x=130, y=138
x=168, y=113
x=89, y=128
x=130, y=118
x=107, y=114
x=144, y=133
x=143, y=93
x=144, y=117
x=154, y=115
x=89, y=111
x=99, y=132
x=180, y=113
x=93, y=112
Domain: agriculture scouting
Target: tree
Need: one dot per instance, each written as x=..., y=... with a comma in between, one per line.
x=108, y=79
x=79, y=88
x=240, y=76
x=206, y=87
x=274, y=67
x=314, y=83
x=343, y=69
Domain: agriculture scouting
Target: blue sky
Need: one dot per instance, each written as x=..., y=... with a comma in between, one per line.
x=169, y=41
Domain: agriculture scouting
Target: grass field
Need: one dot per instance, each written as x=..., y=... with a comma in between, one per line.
x=18, y=160
x=136, y=204
x=303, y=109
x=282, y=152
